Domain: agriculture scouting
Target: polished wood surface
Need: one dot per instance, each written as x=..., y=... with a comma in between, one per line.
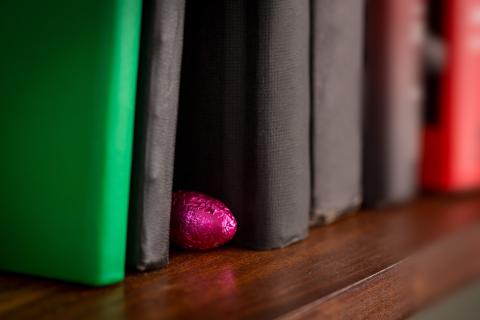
x=384, y=264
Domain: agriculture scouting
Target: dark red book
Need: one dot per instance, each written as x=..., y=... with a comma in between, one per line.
x=451, y=142
x=392, y=119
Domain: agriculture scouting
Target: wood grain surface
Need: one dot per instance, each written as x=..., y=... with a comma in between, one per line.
x=375, y=264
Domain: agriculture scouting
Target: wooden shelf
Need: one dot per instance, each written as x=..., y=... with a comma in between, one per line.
x=379, y=263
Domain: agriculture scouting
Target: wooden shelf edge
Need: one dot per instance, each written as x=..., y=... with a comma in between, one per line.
x=405, y=287
x=375, y=264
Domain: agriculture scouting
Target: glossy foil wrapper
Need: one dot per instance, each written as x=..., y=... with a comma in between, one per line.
x=200, y=222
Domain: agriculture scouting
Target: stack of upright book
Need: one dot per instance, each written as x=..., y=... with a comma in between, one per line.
x=291, y=112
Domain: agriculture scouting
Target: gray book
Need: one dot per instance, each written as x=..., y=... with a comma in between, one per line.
x=155, y=124
x=392, y=111
x=243, y=133
x=337, y=68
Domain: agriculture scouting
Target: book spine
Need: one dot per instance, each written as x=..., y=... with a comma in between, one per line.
x=337, y=58
x=392, y=111
x=451, y=150
x=244, y=115
x=156, y=119
x=118, y=140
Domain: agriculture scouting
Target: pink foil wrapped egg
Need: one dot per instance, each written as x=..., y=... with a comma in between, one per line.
x=199, y=221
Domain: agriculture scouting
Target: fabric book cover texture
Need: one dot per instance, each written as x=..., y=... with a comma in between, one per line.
x=451, y=145
x=337, y=66
x=156, y=119
x=243, y=131
x=392, y=109
x=67, y=95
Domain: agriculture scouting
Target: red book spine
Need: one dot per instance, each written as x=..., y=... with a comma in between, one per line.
x=451, y=145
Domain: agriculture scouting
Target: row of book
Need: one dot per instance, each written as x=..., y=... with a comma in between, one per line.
x=292, y=112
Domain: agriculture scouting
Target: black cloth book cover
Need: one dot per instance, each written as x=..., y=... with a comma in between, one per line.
x=243, y=132
x=155, y=125
x=337, y=68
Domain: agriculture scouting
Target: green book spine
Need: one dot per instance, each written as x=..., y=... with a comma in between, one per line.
x=67, y=94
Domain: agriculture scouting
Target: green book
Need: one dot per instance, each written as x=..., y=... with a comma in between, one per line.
x=67, y=94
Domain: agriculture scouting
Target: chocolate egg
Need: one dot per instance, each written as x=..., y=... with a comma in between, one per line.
x=199, y=221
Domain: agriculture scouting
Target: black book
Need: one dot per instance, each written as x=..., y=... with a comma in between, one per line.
x=155, y=124
x=337, y=68
x=243, y=132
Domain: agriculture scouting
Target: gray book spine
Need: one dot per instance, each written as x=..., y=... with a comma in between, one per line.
x=337, y=67
x=244, y=118
x=155, y=125
x=392, y=111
